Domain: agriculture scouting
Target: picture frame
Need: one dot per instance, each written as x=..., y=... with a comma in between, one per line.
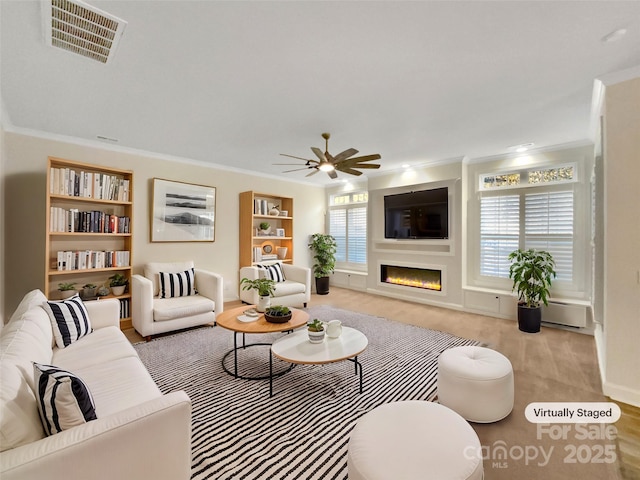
x=182, y=212
x=279, y=232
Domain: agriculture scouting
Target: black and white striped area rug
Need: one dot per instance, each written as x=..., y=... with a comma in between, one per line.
x=302, y=432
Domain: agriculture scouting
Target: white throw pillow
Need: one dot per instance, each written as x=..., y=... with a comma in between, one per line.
x=64, y=401
x=69, y=319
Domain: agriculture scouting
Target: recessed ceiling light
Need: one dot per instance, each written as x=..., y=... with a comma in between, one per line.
x=615, y=35
x=523, y=147
x=106, y=139
x=405, y=165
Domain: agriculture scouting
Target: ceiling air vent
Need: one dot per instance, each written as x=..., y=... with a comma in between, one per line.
x=82, y=29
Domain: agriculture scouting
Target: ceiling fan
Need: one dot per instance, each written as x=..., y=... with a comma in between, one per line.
x=342, y=162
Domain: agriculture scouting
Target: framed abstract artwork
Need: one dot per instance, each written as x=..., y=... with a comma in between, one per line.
x=182, y=212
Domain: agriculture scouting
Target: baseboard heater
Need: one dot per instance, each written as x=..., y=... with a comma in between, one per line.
x=565, y=314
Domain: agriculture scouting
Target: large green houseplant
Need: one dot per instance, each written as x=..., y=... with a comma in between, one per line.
x=324, y=255
x=531, y=271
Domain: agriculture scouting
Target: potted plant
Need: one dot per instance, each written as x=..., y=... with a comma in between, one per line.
x=324, y=247
x=265, y=228
x=118, y=282
x=315, y=328
x=278, y=314
x=531, y=271
x=265, y=288
x=67, y=290
x=89, y=290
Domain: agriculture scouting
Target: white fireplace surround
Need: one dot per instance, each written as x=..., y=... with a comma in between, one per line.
x=404, y=288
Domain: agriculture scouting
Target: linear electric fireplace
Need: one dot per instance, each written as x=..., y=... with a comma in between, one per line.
x=424, y=278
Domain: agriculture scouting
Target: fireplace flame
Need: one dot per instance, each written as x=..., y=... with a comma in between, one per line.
x=407, y=282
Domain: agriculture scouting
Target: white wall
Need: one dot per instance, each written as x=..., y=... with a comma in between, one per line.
x=620, y=345
x=24, y=235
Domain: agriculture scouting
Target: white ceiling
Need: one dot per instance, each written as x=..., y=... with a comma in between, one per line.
x=236, y=83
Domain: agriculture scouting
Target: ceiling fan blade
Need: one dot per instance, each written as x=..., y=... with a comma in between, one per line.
x=332, y=174
x=297, y=169
x=299, y=158
x=364, y=165
x=351, y=171
x=286, y=164
x=312, y=173
x=319, y=154
x=329, y=157
x=365, y=158
x=346, y=154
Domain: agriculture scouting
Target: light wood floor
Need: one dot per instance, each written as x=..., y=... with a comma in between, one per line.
x=551, y=366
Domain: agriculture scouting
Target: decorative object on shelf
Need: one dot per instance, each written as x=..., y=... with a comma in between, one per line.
x=315, y=328
x=182, y=212
x=265, y=288
x=267, y=248
x=67, y=290
x=324, y=247
x=118, y=283
x=284, y=213
x=330, y=164
x=265, y=228
x=274, y=210
x=279, y=232
x=89, y=290
x=531, y=271
x=282, y=252
x=103, y=291
x=334, y=328
x=278, y=314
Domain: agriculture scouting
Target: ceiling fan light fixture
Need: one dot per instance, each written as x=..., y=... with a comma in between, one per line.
x=326, y=167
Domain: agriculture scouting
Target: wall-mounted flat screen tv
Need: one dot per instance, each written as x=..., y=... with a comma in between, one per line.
x=423, y=214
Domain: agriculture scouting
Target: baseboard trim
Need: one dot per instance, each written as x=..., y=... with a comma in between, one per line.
x=621, y=393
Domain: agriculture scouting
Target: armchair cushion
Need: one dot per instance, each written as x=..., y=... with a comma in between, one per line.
x=180, y=307
x=288, y=287
x=273, y=272
x=179, y=284
x=69, y=319
x=64, y=400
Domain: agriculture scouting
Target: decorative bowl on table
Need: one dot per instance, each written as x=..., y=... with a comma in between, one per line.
x=278, y=314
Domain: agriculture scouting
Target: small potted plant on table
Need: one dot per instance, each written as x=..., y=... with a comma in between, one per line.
x=265, y=288
x=278, y=314
x=315, y=328
x=531, y=271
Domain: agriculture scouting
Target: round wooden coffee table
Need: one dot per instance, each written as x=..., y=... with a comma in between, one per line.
x=229, y=320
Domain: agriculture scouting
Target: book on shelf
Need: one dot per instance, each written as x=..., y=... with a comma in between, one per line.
x=91, y=221
x=102, y=186
x=91, y=259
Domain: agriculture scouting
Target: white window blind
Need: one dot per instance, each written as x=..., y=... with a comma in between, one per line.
x=549, y=226
x=499, y=233
x=338, y=229
x=357, y=235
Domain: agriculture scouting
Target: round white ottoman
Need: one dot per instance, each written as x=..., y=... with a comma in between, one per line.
x=413, y=440
x=476, y=382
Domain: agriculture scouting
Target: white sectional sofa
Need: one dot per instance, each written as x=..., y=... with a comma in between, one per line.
x=139, y=432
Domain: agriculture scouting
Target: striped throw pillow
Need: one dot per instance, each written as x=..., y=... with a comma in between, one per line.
x=273, y=272
x=69, y=319
x=64, y=401
x=180, y=284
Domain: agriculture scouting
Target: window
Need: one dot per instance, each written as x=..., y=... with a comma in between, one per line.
x=348, y=225
x=539, y=220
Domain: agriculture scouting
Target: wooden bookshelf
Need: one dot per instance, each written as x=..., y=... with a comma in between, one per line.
x=89, y=222
x=250, y=218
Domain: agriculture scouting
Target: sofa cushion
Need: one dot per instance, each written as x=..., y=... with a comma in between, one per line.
x=63, y=399
x=105, y=344
x=23, y=340
x=179, y=284
x=288, y=287
x=180, y=307
x=69, y=319
x=118, y=385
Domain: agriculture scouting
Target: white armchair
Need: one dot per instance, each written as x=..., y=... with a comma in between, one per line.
x=153, y=315
x=295, y=291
